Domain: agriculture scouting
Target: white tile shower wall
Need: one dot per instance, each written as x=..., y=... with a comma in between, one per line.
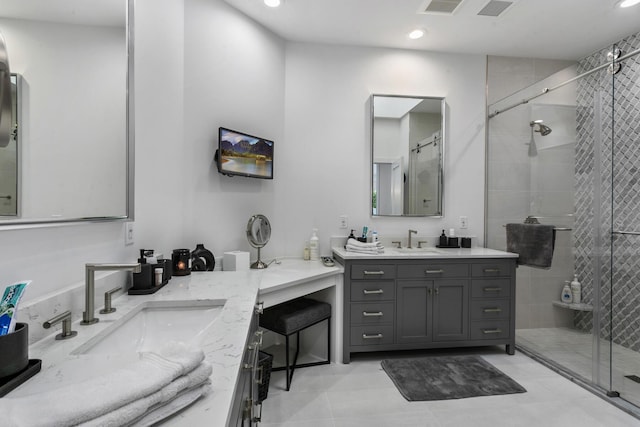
x=519, y=186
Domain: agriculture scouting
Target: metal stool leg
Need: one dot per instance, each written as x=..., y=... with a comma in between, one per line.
x=286, y=349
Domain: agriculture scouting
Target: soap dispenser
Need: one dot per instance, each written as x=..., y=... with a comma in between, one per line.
x=576, y=290
x=443, y=239
x=566, y=296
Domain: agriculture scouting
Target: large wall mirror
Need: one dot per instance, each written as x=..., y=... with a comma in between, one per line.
x=407, y=151
x=69, y=158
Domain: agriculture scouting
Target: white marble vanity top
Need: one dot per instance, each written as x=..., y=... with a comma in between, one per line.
x=426, y=253
x=223, y=343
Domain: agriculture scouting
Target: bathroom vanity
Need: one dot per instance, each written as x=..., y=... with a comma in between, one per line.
x=403, y=300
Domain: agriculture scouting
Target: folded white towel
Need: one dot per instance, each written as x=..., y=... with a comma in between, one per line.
x=364, y=250
x=137, y=409
x=76, y=403
x=355, y=243
x=182, y=400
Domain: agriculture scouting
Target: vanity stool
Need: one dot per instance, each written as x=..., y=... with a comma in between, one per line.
x=290, y=318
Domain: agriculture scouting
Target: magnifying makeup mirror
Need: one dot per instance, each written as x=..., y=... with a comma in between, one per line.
x=258, y=234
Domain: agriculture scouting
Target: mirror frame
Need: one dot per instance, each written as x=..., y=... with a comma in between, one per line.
x=129, y=146
x=443, y=109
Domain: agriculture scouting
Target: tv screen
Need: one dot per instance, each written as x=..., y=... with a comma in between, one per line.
x=245, y=155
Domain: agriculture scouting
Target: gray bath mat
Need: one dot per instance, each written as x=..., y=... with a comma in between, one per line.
x=448, y=377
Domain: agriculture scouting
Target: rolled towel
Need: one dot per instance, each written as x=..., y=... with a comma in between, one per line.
x=138, y=409
x=77, y=403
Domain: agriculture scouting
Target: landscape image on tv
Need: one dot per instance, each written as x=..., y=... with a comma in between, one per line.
x=245, y=154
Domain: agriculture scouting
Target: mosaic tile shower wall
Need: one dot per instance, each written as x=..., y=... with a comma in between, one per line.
x=608, y=120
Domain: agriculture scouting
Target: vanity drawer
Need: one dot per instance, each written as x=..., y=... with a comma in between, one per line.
x=491, y=269
x=371, y=335
x=490, y=288
x=432, y=271
x=372, y=313
x=373, y=290
x=490, y=330
x=372, y=272
x=490, y=309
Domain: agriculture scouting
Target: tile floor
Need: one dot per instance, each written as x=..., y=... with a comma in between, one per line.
x=572, y=349
x=361, y=394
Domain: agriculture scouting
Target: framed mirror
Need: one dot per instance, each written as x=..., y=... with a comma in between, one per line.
x=407, y=150
x=73, y=136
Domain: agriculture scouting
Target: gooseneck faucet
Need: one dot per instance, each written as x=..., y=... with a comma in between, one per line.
x=89, y=287
x=409, y=240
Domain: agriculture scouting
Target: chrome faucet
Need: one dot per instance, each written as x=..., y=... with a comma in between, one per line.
x=409, y=240
x=89, y=287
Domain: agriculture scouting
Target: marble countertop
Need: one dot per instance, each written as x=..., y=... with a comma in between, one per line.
x=425, y=253
x=223, y=343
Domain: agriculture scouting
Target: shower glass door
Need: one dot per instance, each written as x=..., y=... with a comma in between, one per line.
x=622, y=111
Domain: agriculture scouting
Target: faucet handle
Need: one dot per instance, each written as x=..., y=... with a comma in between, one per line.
x=420, y=243
x=107, y=301
x=397, y=243
x=65, y=318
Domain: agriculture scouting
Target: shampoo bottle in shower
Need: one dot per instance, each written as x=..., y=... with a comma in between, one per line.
x=576, y=290
x=566, y=296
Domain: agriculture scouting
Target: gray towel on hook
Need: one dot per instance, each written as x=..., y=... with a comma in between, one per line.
x=534, y=243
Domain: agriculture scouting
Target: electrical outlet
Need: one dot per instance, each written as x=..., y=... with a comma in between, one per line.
x=464, y=222
x=344, y=221
x=128, y=233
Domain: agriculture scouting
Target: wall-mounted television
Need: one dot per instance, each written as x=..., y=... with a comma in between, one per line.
x=245, y=155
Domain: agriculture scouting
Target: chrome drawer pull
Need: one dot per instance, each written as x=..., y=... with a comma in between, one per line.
x=492, y=270
x=372, y=314
x=373, y=273
x=492, y=289
x=492, y=331
x=492, y=310
x=434, y=271
x=370, y=337
x=368, y=292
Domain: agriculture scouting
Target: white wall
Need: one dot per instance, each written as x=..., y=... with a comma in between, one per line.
x=324, y=170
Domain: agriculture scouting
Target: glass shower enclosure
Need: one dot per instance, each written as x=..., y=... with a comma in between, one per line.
x=566, y=152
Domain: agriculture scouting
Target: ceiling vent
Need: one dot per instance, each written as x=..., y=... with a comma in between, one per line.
x=440, y=6
x=495, y=8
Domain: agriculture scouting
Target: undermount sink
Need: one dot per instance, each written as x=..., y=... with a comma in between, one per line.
x=421, y=251
x=153, y=324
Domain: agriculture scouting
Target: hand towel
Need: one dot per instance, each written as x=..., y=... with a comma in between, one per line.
x=84, y=401
x=182, y=400
x=137, y=409
x=534, y=243
x=364, y=248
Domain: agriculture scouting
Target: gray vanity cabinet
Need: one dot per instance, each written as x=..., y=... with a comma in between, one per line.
x=408, y=304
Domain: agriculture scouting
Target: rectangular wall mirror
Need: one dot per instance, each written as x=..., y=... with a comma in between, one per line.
x=73, y=126
x=407, y=148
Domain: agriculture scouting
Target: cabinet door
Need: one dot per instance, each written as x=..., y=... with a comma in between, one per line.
x=450, y=310
x=413, y=311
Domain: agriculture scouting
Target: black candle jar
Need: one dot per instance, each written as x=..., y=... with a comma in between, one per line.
x=180, y=259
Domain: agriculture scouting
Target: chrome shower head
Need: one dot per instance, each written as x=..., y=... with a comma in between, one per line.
x=543, y=129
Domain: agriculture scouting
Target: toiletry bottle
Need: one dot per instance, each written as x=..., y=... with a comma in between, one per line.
x=443, y=239
x=374, y=236
x=576, y=290
x=566, y=296
x=314, y=246
x=306, y=255
x=351, y=236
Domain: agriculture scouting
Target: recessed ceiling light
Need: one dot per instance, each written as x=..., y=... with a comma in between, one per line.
x=273, y=3
x=418, y=33
x=629, y=3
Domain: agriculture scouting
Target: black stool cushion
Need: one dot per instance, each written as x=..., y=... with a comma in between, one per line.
x=293, y=316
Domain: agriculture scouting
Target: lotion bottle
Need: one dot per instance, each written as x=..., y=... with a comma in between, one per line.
x=566, y=296
x=314, y=246
x=576, y=290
